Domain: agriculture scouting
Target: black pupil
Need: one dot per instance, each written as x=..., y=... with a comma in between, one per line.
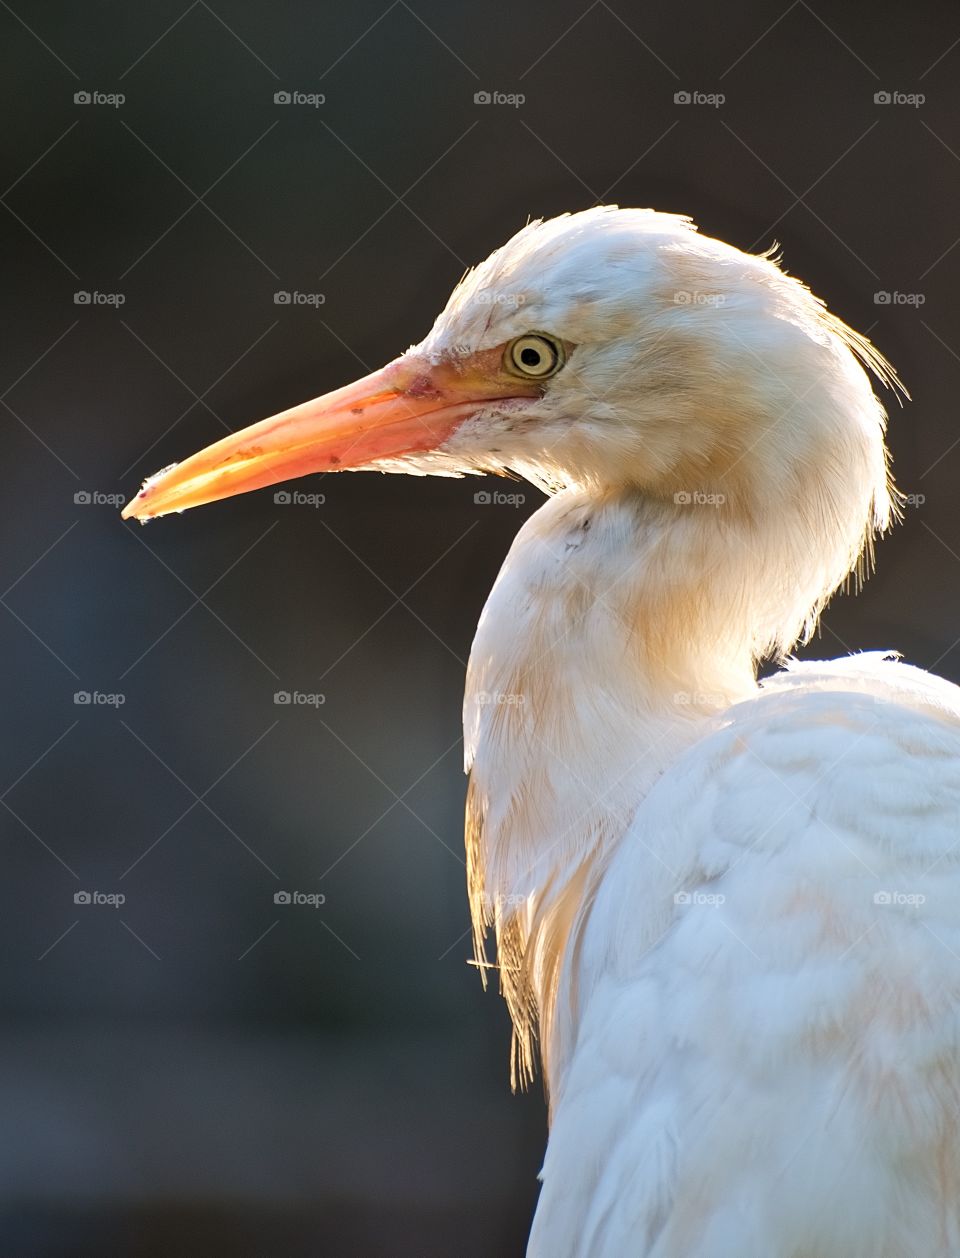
x=530, y=357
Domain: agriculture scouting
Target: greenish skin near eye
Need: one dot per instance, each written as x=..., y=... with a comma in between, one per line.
x=534, y=356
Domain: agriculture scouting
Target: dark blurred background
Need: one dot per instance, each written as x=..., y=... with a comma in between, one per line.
x=198, y=1069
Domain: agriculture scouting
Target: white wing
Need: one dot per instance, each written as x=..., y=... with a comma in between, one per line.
x=767, y=1062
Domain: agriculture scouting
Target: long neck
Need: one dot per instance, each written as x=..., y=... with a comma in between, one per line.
x=607, y=645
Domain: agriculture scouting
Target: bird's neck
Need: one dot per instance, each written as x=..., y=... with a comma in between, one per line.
x=607, y=646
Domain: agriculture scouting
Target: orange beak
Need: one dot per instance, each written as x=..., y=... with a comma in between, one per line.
x=409, y=406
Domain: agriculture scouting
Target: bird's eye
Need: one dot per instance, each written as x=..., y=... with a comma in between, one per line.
x=534, y=355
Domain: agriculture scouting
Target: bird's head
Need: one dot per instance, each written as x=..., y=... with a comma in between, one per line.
x=608, y=348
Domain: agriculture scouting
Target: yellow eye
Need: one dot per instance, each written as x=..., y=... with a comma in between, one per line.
x=534, y=355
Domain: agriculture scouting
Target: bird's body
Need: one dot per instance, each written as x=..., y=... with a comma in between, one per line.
x=726, y=914
x=762, y=995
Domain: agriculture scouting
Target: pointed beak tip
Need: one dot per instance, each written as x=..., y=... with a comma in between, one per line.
x=144, y=504
x=137, y=509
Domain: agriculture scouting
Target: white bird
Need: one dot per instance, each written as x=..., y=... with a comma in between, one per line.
x=727, y=914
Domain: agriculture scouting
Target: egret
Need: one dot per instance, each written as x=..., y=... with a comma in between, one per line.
x=726, y=912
